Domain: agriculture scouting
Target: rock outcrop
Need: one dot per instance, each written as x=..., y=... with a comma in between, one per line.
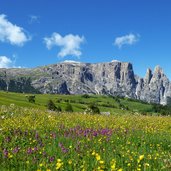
x=111, y=78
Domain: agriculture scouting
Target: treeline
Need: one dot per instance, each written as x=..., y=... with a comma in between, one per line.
x=163, y=110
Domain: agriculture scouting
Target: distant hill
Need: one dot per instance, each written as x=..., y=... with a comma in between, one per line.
x=112, y=78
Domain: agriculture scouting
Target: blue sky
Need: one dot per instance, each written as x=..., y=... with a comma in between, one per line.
x=41, y=32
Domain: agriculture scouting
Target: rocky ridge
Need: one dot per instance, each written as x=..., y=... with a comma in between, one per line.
x=110, y=78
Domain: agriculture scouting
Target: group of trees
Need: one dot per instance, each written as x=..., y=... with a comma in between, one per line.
x=31, y=98
x=51, y=106
x=68, y=108
x=163, y=110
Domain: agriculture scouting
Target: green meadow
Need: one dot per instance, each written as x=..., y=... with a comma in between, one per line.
x=132, y=138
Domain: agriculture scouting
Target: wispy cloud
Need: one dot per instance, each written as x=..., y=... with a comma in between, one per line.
x=5, y=62
x=33, y=19
x=70, y=44
x=12, y=33
x=129, y=39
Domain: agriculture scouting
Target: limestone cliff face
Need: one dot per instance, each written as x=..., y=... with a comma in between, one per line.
x=114, y=78
x=155, y=88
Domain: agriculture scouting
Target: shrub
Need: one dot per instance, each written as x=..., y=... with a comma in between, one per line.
x=31, y=98
x=69, y=108
x=86, y=96
x=66, y=100
x=51, y=105
x=94, y=108
x=58, y=109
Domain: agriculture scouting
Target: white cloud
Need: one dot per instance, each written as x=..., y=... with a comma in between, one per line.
x=33, y=19
x=71, y=61
x=11, y=33
x=129, y=39
x=114, y=60
x=70, y=44
x=5, y=62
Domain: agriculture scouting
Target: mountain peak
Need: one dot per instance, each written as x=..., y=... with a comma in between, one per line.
x=158, y=69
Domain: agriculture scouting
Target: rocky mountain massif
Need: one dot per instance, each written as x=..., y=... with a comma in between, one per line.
x=112, y=78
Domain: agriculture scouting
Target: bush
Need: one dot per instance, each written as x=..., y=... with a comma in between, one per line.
x=58, y=109
x=51, y=106
x=69, y=108
x=58, y=100
x=31, y=99
x=86, y=96
x=94, y=108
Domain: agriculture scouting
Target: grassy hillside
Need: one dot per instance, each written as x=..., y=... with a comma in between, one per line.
x=114, y=105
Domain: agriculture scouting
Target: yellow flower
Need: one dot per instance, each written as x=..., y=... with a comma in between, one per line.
x=101, y=162
x=98, y=157
x=69, y=161
x=27, y=162
x=93, y=153
x=113, y=166
x=141, y=157
x=10, y=156
x=40, y=164
x=146, y=164
x=48, y=170
x=58, y=165
x=120, y=169
x=59, y=160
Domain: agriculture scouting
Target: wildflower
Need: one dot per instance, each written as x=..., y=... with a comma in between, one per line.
x=146, y=164
x=113, y=164
x=15, y=150
x=101, y=162
x=98, y=157
x=59, y=160
x=5, y=151
x=120, y=169
x=51, y=159
x=58, y=166
x=10, y=155
x=141, y=157
x=69, y=161
x=93, y=153
x=40, y=164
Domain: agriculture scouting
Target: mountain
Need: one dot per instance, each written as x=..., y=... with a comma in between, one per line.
x=69, y=77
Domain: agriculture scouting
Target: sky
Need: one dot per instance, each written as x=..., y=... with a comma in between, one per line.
x=41, y=32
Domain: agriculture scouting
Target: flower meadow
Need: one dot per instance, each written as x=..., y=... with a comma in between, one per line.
x=39, y=140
